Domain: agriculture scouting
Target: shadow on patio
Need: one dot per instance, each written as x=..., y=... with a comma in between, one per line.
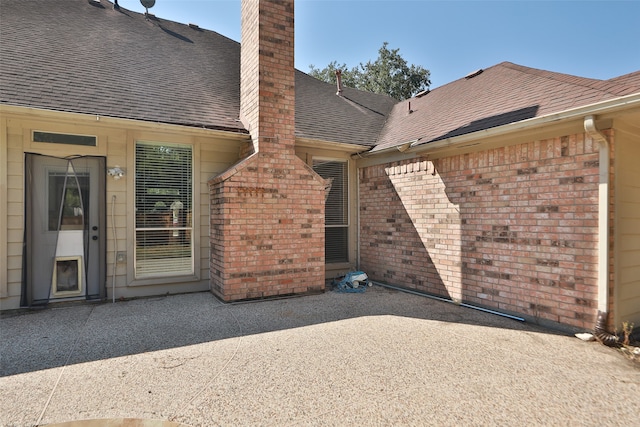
x=62, y=336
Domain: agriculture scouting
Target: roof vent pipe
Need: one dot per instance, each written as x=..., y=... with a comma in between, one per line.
x=339, y=82
x=603, y=233
x=473, y=74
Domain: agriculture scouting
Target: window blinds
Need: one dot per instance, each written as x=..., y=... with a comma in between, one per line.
x=164, y=206
x=336, y=209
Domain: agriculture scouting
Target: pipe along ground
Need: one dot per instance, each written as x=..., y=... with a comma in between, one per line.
x=461, y=304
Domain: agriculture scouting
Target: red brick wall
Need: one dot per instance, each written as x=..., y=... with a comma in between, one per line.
x=267, y=213
x=512, y=228
x=267, y=230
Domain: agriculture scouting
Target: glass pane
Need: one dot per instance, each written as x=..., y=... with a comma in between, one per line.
x=60, y=138
x=336, y=210
x=335, y=245
x=163, y=252
x=336, y=202
x=75, y=200
x=163, y=185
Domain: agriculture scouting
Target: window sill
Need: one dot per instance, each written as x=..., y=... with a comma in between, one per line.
x=163, y=280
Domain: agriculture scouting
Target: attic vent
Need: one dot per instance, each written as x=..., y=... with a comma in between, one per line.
x=473, y=74
x=423, y=93
x=194, y=26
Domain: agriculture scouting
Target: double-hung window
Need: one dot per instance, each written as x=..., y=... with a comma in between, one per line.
x=336, y=209
x=164, y=210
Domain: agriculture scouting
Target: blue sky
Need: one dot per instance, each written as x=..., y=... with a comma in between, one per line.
x=597, y=39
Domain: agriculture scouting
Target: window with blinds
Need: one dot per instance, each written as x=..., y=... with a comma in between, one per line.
x=336, y=209
x=164, y=207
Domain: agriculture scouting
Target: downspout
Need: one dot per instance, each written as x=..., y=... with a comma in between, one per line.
x=600, y=328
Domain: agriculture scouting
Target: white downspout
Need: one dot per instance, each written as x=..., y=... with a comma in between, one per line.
x=603, y=231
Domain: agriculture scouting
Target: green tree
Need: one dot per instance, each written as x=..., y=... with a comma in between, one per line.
x=389, y=75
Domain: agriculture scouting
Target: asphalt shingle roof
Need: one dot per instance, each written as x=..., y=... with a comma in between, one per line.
x=78, y=56
x=71, y=55
x=356, y=117
x=502, y=94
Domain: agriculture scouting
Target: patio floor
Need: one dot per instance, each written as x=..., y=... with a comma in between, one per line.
x=380, y=358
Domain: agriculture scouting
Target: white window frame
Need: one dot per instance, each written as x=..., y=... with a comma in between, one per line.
x=190, y=272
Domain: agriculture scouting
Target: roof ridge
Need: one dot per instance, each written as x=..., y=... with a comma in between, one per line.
x=624, y=76
x=606, y=86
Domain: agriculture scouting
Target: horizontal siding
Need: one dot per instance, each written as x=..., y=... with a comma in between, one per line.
x=627, y=253
x=14, y=214
x=213, y=155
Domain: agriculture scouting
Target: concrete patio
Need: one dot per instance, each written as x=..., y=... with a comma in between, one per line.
x=382, y=357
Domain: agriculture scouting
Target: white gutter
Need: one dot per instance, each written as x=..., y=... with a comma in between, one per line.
x=603, y=213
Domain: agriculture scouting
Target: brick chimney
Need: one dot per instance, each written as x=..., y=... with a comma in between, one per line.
x=267, y=211
x=267, y=74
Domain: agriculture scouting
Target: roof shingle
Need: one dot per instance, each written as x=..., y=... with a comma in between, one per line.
x=502, y=94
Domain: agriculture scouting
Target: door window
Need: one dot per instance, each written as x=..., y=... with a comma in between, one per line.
x=73, y=190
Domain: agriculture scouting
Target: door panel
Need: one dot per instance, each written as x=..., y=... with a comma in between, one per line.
x=65, y=239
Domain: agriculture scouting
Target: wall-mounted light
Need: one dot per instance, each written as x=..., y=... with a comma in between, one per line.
x=115, y=172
